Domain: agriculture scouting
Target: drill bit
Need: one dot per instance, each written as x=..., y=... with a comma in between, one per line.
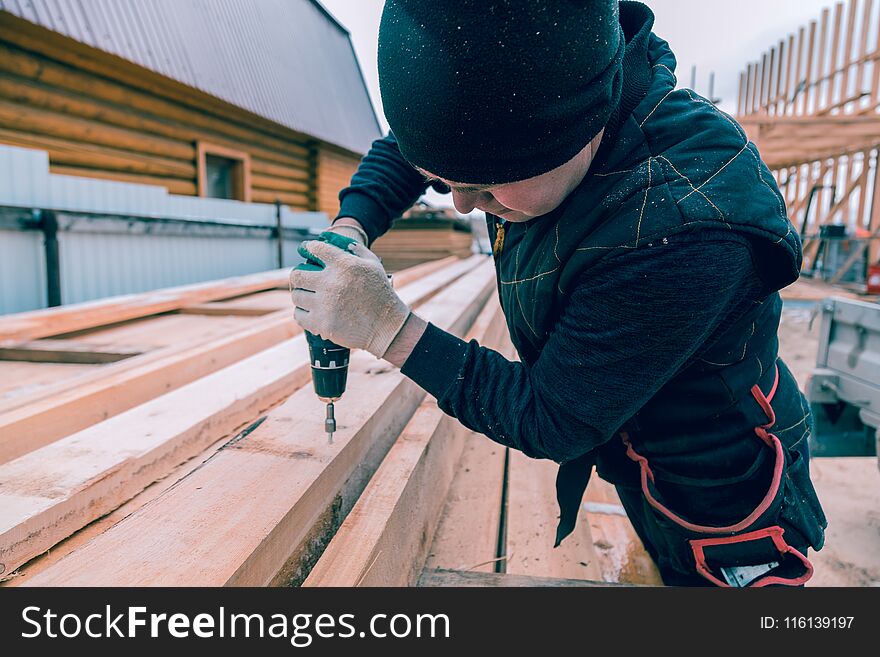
x=330, y=422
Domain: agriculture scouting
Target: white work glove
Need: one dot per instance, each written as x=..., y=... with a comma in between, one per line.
x=350, y=301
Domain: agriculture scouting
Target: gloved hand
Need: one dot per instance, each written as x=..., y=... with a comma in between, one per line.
x=348, y=230
x=350, y=301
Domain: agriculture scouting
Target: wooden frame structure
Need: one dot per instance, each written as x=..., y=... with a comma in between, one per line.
x=810, y=105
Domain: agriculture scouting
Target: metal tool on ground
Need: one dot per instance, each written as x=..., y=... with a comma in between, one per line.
x=329, y=361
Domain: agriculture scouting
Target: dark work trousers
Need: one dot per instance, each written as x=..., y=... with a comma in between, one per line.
x=631, y=498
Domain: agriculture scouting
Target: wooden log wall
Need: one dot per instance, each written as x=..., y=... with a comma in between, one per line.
x=810, y=105
x=335, y=170
x=100, y=116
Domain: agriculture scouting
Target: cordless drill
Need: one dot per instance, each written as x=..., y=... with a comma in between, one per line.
x=329, y=361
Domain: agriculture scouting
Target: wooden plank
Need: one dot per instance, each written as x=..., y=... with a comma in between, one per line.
x=442, y=577
x=80, y=316
x=796, y=91
x=253, y=514
x=821, y=55
x=92, y=472
x=808, y=75
x=532, y=514
x=18, y=380
x=863, y=190
x=835, y=49
x=790, y=74
x=67, y=351
x=385, y=538
x=467, y=534
x=621, y=557
x=874, y=97
x=28, y=423
x=163, y=330
x=848, y=52
x=213, y=309
x=52, y=492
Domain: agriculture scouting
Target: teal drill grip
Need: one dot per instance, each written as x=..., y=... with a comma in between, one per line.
x=329, y=361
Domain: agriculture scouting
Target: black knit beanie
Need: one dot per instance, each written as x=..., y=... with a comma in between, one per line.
x=495, y=91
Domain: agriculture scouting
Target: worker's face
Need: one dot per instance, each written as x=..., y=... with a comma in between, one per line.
x=524, y=199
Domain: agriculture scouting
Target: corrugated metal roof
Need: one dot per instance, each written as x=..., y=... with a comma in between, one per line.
x=289, y=61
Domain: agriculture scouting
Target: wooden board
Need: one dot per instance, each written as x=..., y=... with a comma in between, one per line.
x=249, y=516
x=532, y=514
x=51, y=492
x=76, y=317
x=84, y=397
x=54, y=491
x=385, y=539
x=164, y=330
x=621, y=557
x=20, y=379
x=67, y=351
x=445, y=577
x=467, y=534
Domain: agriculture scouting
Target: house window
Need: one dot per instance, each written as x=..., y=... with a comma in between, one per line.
x=223, y=172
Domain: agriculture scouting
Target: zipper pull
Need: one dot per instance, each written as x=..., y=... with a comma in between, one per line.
x=499, y=239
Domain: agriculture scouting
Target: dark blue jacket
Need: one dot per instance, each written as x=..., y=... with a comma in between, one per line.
x=646, y=304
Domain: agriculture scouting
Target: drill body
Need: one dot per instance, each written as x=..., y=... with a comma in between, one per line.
x=328, y=360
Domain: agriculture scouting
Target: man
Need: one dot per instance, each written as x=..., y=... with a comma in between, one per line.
x=640, y=244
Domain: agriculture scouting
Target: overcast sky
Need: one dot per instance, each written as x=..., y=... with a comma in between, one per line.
x=713, y=35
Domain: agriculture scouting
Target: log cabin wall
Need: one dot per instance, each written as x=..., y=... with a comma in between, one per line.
x=335, y=169
x=100, y=116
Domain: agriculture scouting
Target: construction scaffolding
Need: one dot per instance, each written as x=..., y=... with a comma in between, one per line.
x=810, y=105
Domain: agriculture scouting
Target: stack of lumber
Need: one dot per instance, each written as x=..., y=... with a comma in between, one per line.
x=412, y=241
x=202, y=460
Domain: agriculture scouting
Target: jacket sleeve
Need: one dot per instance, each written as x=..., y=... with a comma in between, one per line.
x=384, y=186
x=627, y=330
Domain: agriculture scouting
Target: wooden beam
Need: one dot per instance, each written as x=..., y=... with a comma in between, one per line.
x=29, y=423
x=835, y=49
x=256, y=512
x=467, y=536
x=384, y=540
x=96, y=470
x=821, y=55
x=875, y=78
x=221, y=310
x=440, y=577
x=863, y=45
x=67, y=351
x=848, y=52
x=792, y=90
x=91, y=314
x=621, y=557
x=532, y=512
x=789, y=73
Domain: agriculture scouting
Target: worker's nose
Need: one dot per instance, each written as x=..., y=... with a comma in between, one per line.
x=466, y=202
